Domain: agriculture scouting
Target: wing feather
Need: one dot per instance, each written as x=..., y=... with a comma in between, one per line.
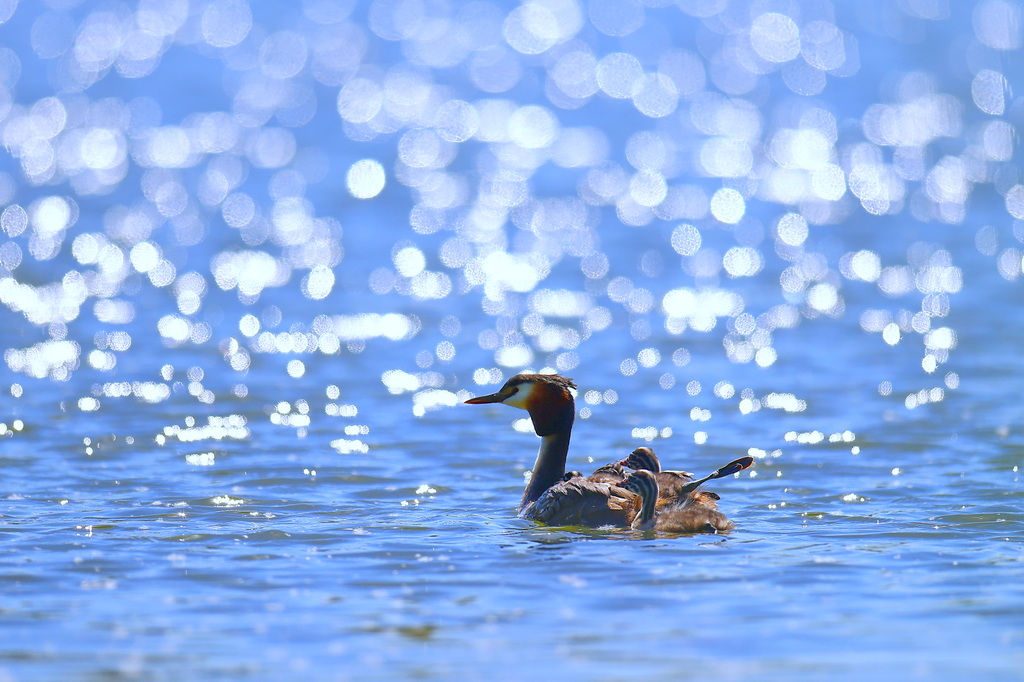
x=581, y=502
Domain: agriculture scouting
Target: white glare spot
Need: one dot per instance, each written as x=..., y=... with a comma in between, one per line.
x=997, y=23
x=742, y=261
x=226, y=22
x=201, y=459
x=775, y=37
x=728, y=206
x=88, y=404
x=532, y=28
x=792, y=229
x=365, y=179
x=318, y=284
x=410, y=261
x=686, y=240
x=891, y=334
x=532, y=127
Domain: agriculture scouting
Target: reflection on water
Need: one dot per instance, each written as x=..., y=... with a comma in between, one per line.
x=253, y=257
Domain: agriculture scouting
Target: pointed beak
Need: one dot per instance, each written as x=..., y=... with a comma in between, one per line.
x=492, y=398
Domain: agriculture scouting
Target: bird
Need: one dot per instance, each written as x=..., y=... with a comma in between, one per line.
x=676, y=487
x=670, y=483
x=556, y=498
x=699, y=514
x=548, y=498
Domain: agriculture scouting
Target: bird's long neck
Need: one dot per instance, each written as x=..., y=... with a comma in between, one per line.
x=647, y=489
x=550, y=465
x=645, y=519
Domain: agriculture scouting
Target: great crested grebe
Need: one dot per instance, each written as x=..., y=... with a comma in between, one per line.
x=692, y=511
x=676, y=487
x=699, y=516
x=548, y=498
x=670, y=483
x=553, y=497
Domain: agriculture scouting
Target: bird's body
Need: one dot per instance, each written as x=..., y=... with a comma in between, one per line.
x=697, y=514
x=612, y=473
x=582, y=502
x=693, y=518
x=601, y=499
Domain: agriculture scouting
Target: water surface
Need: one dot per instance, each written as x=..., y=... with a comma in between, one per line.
x=254, y=258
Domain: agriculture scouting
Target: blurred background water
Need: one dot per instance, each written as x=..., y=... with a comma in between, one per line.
x=253, y=257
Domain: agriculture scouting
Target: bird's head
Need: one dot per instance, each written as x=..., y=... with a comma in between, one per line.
x=549, y=398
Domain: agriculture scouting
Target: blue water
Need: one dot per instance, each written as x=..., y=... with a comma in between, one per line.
x=254, y=257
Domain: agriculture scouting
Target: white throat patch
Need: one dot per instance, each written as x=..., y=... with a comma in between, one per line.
x=522, y=397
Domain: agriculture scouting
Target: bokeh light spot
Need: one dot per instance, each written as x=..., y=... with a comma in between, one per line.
x=365, y=179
